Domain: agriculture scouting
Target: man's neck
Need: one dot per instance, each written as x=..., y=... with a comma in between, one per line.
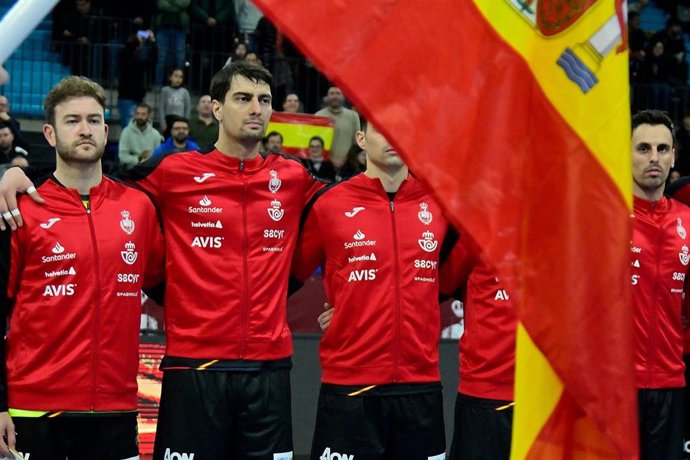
x=335, y=109
x=653, y=195
x=79, y=176
x=391, y=179
x=236, y=149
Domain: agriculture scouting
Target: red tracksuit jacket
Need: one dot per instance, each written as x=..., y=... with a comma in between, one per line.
x=659, y=258
x=230, y=231
x=487, y=347
x=72, y=282
x=381, y=260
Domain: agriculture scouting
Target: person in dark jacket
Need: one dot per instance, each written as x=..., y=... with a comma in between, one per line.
x=137, y=60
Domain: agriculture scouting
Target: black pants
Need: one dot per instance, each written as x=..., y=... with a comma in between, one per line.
x=364, y=427
x=661, y=423
x=482, y=429
x=223, y=415
x=78, y=437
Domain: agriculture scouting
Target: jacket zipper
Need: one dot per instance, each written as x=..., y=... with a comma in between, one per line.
x=97, y=316
x=396, y=277
x=654, y=312
x=245, y=263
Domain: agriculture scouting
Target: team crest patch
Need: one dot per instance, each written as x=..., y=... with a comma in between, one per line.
x=424, y=214
x=274, y=183
x=680, y=229
x=275, y=211
x=126, y=224
x=129, y=255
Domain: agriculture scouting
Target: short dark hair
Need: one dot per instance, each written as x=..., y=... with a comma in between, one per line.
x=654, y=118
x=4, y=125
x=68, y=88
x=274, y=133
x=317, y=138
x=220, y=84
x=178, y=119
x=144, y=105
x=363, y=123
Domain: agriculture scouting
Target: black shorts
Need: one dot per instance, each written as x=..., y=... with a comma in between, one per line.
x=482, y=429
x=372, y=426
x=222, y=415
x=661, y=423
x=78, y=436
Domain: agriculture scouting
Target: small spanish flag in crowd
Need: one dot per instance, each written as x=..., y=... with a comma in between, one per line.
x=298, y=128
x=516, y=115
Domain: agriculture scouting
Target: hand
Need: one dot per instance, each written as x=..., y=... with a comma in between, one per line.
x=211, y=22
x=4, y=116
x=152, y=38
x=14, y=181
x=326, y=317
x=7, y=435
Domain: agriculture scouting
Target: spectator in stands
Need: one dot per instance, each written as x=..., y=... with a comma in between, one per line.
x=171, y=25
x=174, y=99
x=316, y=163
x=252, y=58
x=4, y=76
x=14, y=124
x=79, y=29
x=213, y=32
x=654, y=73
x=204, y=128
x=8, y=147
x=636, y=44
x=136, y=60
x=274, y=142
x=674, y=51
x=138, y=137
x=355, y=163
x=291, y=104
x=179, y=140
x=682, y=147
x=346, y=124
x=247, y=16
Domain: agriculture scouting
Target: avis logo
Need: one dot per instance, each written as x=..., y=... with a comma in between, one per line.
x=328, y=455
x=177, y=456
x=59, y=290
x=428, y=243
x=207, y=242
x=362, y=275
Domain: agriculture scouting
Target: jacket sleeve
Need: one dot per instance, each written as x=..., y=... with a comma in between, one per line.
x=455, y=270
x=154, y=270
x=309, y=251
x=9, y=267
x=148, y=176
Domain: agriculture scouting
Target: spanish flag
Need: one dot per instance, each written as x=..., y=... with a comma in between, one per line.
x=298, y=128
x=515, y=113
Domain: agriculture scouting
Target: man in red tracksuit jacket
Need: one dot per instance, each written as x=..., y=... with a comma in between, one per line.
x=70, y=282
x=484, y=405
x=380, y=238
x=231, y=219
x=659, y=259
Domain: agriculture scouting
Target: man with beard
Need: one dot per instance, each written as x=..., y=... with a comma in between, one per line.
x=204, y=128
x=345, y=124
x=660, y=258
x=70, y=285
x=179, y=140
x=138, y=137
x=231, y=218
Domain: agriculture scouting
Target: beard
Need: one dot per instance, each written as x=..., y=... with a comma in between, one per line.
x=72, y=154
